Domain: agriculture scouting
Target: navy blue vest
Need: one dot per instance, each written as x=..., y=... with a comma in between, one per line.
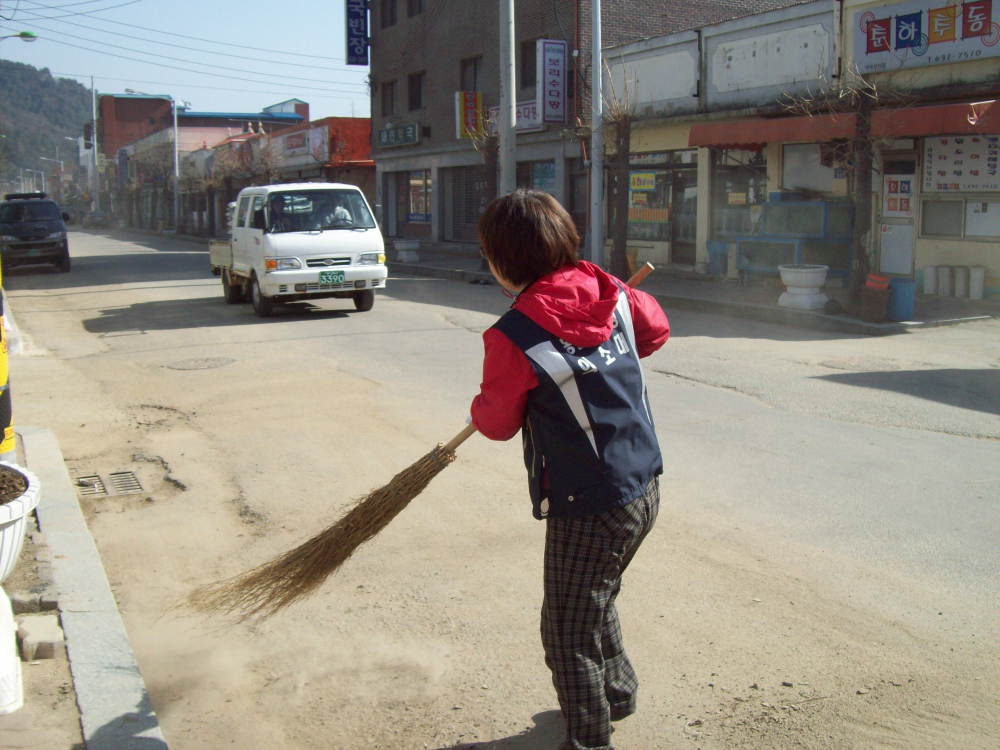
x=588, y=423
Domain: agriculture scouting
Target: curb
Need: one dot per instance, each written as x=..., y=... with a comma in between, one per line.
x=15, y=344
x=744, y=310
x=802, y=318
x=115, y=710
x=454, y=274
x=165, y=235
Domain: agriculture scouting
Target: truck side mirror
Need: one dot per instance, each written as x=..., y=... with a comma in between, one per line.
x=258, y=221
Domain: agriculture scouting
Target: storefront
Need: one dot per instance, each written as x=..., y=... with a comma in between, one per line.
x=935, y=184
x=663, y=203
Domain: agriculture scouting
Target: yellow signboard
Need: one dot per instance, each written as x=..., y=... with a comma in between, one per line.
x=642, y=181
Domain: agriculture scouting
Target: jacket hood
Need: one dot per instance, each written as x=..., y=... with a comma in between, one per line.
x=573, y=303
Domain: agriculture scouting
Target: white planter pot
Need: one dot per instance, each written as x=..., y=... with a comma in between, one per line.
x=804, y=283
x=13, y=519
x=11, y=690
x=406, y=251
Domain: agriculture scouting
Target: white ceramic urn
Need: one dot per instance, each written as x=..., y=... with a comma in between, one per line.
x=804, y=283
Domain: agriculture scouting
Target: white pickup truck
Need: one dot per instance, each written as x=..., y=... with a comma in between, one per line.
x=297, y=242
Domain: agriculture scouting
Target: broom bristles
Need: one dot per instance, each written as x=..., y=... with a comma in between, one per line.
x=297, y=574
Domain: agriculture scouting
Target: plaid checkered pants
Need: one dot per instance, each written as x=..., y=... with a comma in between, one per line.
x=584, y=562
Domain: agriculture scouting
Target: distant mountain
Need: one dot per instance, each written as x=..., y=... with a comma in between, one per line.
x=36, y=112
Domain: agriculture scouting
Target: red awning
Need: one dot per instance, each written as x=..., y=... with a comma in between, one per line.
x=910, y=122
x=944, y=119
x=753, y=133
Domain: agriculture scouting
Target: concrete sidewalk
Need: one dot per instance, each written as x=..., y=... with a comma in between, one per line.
x=733, y=300
x=115, y=711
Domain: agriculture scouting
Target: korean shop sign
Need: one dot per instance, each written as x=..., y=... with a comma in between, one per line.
x=357, y=32
x=964, y=163
x=403, y=135
x=528, y=117
x=642, y=181
x=550, y=79
x=926, y=32
x=468, y=114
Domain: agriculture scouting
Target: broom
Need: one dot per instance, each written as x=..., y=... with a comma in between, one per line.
x=269, y=588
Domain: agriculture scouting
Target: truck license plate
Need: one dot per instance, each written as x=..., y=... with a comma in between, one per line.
x=331, y=277
x=34, y=252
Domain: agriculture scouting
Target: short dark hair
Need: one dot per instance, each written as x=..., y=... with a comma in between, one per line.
x=527, y=235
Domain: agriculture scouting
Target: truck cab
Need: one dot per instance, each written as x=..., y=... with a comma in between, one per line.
x=305, y=241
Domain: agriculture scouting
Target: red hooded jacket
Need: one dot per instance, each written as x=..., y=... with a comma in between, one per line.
x=575, y=304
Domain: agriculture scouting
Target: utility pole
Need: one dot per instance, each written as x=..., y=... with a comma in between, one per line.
x=596, y=143
x=96, y=202
x=507, y=115
x=177, y=170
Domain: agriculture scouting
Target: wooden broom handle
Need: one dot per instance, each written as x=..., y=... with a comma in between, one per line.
x=470, y=429
x=641, y=274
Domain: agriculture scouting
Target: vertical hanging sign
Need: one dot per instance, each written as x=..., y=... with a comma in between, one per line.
x=550, y=79
x=357, y=32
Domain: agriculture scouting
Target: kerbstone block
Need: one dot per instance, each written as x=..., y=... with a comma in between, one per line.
x=41, y=638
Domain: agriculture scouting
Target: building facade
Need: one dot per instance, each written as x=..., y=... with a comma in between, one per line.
x=747, y=100
x=435, y=77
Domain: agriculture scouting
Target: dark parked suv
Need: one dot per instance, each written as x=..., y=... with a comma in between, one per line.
x=32, y=231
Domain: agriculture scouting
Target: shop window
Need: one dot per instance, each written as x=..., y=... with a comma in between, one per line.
x=739, y=183
x=419, y=208
x=528, y=65
x=803, y=168
x=388, y=13
x=982, y=218
x=537, y=175
x=969, y=218
x=942, y=218
x=415, y=90
x=472, y=71
x=388, y=98
x=414, y=8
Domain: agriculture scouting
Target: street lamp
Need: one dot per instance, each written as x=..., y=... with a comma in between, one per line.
x=177, y=158
x=24, y=36
x=57, y=161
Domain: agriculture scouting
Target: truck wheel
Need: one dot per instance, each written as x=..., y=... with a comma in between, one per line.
x=233, y=293
x=364, y=301
x=63, y=264
x=262, y=306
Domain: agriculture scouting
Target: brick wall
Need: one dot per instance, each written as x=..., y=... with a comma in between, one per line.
x=123, y=120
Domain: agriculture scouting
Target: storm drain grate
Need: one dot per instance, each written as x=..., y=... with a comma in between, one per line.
x=91, y=485
x=108, y=485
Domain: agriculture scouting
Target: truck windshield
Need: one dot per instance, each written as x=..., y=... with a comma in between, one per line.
x=312, y=210
x=12, y=213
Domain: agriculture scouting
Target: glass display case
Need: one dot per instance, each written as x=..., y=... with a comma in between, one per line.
x=807, y=232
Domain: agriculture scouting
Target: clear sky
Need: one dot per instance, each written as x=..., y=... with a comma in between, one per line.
x=259, y=52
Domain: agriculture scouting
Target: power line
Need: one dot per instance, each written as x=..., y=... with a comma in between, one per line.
x=175, y=59
x=189, y=70
x=194, y=38
x=85, y=13
x=194, y=49
x=87, y=76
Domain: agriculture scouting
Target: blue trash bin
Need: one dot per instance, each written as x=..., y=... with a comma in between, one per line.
x=718, y=258
x=902, y=295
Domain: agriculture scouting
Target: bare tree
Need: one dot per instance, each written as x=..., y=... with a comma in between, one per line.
x=487, y=144
x=157, y=163
x=619, y=113
x=265, y=161
x=860, y=97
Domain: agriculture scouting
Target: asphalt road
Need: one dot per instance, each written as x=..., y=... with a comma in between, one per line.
x=830, y=516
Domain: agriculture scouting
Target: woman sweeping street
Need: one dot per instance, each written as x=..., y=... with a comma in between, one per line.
x=562, y=367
